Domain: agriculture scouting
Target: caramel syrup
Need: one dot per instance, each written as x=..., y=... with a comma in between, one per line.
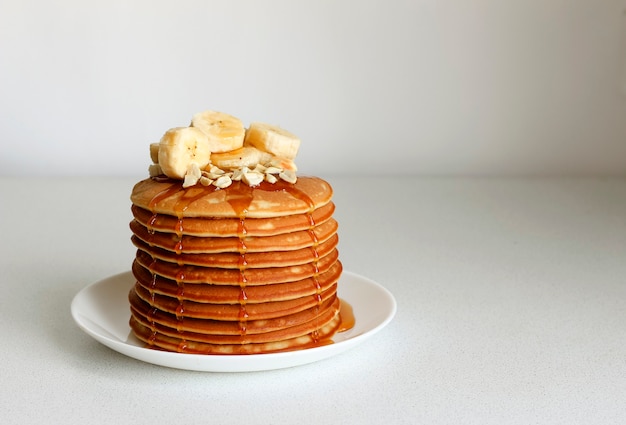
x=153, y=309
x=298, y=194
x=164, y=194
x=347, y=317
x=240, y=197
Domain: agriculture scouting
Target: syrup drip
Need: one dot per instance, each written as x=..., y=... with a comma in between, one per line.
x=153, y=311
x=241, y=229
x=153, y=334
x=240, y=197
x=180, y=293
x=316, y=270
x=153, y=285
x=180, y=310
x=169, y=191
x=243, y=313
x=182, y=346
x=188, y=197
x=164, y=194
x=152, y=314
x=243, y=322
x=300, y=195
x=315, y=335
x=243, y=300
x=316, y=256
x=179, y=224
x=178, y=248
x=151, y=223
x=179, y=233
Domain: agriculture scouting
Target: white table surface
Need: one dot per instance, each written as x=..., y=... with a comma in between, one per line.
x=511, y=310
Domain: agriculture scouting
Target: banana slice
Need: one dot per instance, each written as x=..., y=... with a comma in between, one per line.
x=272, y=139
x=246, y=156
x=179, y=148
x=154, y=170
x=224, y=132
x=154, y=152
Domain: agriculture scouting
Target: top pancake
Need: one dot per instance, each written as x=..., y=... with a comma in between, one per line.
x=236, y=201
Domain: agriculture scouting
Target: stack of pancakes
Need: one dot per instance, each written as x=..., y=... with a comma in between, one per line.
x=240, y=270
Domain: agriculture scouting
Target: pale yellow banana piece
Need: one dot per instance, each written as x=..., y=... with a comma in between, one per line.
x=272, y=139
x=155, y=170
x=224, y=132
x=246, y=156
x=179, y=148
x=154, y=152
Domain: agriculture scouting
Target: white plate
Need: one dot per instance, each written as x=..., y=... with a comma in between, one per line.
x=102, y=311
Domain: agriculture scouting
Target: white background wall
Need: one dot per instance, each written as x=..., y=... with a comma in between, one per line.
x=422, y=86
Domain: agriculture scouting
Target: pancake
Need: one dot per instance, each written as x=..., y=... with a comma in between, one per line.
x=263, y=201
x=234, y=311
x=235, y=260
x=193, y=244
x=225, y=227
x=254, y=325
x=236, y=276
x=232, y=294
x=236, y=270
x=154, y=338
x=240, y=335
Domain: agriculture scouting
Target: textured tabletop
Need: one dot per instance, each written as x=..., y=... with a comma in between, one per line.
x=511, y=310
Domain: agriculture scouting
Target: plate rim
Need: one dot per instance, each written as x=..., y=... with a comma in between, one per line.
x=233, y=362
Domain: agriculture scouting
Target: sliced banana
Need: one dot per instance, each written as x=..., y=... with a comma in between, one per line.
x=154, y=170
x=272, y=139
x=154, y=152
x=224, y=132
x=216, y=150
x=246, y=156
x=179, y=148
